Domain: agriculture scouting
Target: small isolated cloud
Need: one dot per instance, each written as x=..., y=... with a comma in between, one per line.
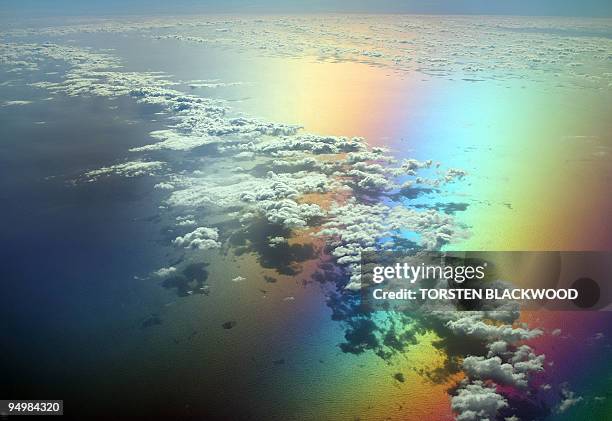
x=185, y=221
x=276, y=241
x=212, y=83
x=13, y=103
x=454, y=174
x=166, y=271
x=164, y=186
x=201, y=238
x=569, y=399
x=169, y=139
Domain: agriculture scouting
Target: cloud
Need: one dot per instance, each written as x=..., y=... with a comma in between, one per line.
x=313, y=143
x=569, y=399
x=276, y=241
x=288, y=213
x=127, y=169
x=166, y=271
x=169, y=139
x=497, y=348
x=164, y=186
x=407, y=44
x=453, y=174
x=434, y=228
x=212, y=83
x=194, y=190
x=307, y=163
x=356, y=227
x=185, y=221
x=16, y=102
x=493, y=369
x=368, y=181
x=201, y=238
x=477, y=402
x=375, y=154
x=524, y=359
x=473, y=325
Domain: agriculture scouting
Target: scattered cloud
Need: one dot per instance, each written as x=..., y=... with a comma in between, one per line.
x=16, y=102
x=477, y=402
x=166, y=271
x=569, y=399
x=126, y=169
x=201, y=238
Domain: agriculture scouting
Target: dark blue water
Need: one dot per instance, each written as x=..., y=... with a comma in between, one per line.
x=72, y=256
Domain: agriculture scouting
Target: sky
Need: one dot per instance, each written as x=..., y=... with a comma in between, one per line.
x=38, y=8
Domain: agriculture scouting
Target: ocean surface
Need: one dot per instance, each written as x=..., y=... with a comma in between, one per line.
x=246, y=329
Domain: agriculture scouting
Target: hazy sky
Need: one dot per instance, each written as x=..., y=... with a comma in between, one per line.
x=37, y=8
